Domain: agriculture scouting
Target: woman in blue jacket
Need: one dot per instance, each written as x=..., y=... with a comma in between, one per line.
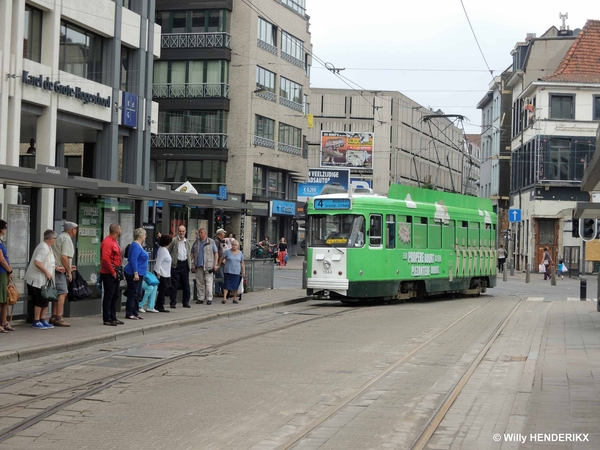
x=135, y=270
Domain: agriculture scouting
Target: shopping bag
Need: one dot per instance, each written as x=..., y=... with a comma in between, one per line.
x=542, y=268
x=564, y=268
x=241, y=287
x=13, y=293
x=78, y=288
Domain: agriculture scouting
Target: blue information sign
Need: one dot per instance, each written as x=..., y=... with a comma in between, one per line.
x=333, y=203
x=222, y=193
x=130, y=102
x=514, y=215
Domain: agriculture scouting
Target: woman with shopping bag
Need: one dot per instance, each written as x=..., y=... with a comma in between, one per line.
x=234, y=270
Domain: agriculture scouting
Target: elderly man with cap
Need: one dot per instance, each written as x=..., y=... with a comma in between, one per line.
x=63, y=250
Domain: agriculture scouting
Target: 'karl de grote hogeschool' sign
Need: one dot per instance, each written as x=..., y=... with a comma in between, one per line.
x=62, y=89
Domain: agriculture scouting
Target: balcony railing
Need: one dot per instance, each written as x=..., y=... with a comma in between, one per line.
x=264, y=142
x=267, y=95
x=290, y=104
x=292, y=59
x=289, y=149
x=266, y=46
x=189, y=140
x=195, y=40
x=202, y=90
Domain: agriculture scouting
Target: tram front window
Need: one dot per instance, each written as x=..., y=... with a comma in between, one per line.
x=341, y=230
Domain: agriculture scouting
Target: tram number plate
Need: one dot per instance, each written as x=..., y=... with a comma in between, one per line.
x=333, y=203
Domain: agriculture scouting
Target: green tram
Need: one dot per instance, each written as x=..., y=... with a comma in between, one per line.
x=411, y=244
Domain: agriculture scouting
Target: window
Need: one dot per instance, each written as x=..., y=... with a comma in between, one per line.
x=276, y=186
x=264, y=128
x=420, y=232
x=562, y=106
x=125, y=58
x=290, y=90
x=375, y=230
x=390, y=228
x=290, y=135
x=265, y=79
x=267, y=32
x=258, y=183
x=338, y=230
x=298, y=6
x=186, y=122
x=206, y=175
x=80, y=52
x=32, y=35
x=292, y=46
x=205, y=21
x=558, y=159
x=193, y=73
x=596, y=102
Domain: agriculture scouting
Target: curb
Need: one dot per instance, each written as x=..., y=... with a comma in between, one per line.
x=38, y=352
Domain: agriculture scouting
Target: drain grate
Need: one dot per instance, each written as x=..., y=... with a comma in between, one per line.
x=515, y=358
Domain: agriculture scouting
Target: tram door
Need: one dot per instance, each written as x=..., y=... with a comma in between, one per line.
x=546, y=233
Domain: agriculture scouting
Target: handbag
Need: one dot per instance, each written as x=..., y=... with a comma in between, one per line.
x=119, y=272
x=49, y=291
x=13, y=293
x=78, y=288
x=151, y=279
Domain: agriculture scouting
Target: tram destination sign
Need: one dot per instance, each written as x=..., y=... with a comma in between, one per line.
x=333, y=203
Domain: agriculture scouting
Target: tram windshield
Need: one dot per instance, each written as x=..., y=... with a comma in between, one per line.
x=340, y=230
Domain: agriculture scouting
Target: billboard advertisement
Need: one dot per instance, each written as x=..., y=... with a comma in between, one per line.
x=346, y=149
x=317, y=178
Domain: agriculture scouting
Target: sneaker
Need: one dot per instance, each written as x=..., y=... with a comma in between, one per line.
x=142, y=310
x=46, y=324
x=38, y=325
x=199, y=302
x=209, y=302
x=151, y=310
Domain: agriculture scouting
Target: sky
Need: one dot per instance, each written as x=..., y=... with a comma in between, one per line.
x=425, y=49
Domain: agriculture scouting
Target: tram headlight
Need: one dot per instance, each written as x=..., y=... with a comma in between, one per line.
x=326, y=264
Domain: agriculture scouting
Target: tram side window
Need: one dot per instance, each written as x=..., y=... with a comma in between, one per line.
x=486, y=235
x=493, y=237
x=449, y=237
x=404, y=238
x=390, y=229
x=461, y=233
x=435, y=235
x=375, y=230
x=474, y=234
x=420, y=232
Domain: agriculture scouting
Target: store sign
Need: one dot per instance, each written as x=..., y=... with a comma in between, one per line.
x=319, y=178
x=51, y=170
x=281, y=208
x=129, y=111
x=48, y=85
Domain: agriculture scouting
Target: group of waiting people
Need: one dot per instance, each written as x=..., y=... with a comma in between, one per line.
x=279, y=251
x=51, y=263
x=176, y=258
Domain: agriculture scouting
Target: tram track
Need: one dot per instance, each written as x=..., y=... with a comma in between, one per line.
x=102, y=383
x=436, y=419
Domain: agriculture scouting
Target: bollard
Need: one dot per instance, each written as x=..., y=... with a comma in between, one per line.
x=553, y=276
x=512, y=268
x=582, y=289
x=504, y=272
x=528, y=273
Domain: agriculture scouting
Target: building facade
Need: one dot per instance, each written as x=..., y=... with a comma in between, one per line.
x=411, y=144
x=232, y=83
x=556, y=90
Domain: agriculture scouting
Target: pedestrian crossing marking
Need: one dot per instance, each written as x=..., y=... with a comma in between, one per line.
x=535, y=299
x=577, y=299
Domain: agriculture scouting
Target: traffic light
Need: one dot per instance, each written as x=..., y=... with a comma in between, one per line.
x=575, y=228
x=588, y=229
x=218, y=218
x=226, y=220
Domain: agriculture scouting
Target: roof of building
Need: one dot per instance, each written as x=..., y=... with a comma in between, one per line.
x=581, y=64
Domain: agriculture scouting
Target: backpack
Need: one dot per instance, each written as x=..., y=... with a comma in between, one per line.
x=126, y=252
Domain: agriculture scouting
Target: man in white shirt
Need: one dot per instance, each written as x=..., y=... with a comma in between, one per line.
x=64, y=250
x=181, y=265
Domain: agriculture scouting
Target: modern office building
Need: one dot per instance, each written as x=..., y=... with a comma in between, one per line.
x=410, y=143
x=231, y=85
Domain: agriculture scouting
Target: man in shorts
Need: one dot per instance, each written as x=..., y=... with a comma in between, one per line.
x=63, y=250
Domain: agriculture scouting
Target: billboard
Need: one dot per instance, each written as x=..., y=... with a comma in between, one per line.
x=346, y=149
x=317, y=178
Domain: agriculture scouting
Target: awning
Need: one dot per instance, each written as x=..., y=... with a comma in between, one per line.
x=43, y=177
x=587, y=210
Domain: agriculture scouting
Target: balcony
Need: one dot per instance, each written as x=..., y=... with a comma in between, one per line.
x=290, y=104
x=291, y=59
x=267, y=95
x=264, y=142
x=189, y=140
x=202, y=90
x=266, y=46
x=289, y=149
x=196, y=40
